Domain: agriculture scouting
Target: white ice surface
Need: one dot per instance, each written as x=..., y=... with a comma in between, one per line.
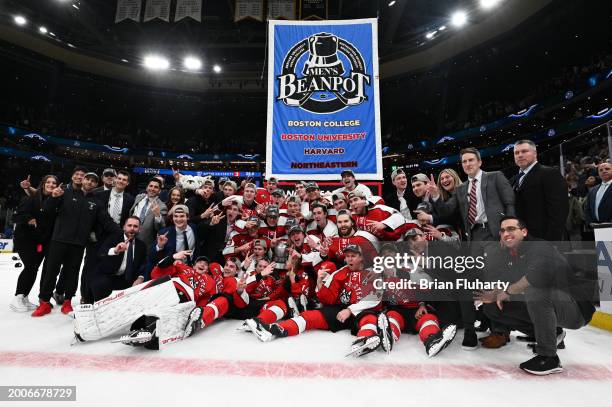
x=221, y=366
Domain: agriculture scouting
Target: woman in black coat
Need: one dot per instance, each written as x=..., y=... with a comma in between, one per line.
x=31, y=240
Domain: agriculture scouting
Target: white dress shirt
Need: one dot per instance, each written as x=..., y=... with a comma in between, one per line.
x=404, y=209
x=481, y=216
x=180, y=241
x=599, y=196
x=115, y=196
x=112, y=252
x=525, y=172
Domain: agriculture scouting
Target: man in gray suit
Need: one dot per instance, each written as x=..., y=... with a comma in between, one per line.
x=481, y=202
x=151, y=211
x=493, y=198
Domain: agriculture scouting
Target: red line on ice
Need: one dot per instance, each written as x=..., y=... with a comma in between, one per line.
x=324, y=370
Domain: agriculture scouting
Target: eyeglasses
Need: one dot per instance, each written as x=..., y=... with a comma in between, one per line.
x=509, y=229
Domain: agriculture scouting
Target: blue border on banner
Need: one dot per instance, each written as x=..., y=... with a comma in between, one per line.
x=323, y=106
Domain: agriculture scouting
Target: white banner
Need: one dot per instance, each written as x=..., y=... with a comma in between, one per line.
x=157, y=9
x=188, y=8
x=281, y=9
x=249, y=9
x=128, y=10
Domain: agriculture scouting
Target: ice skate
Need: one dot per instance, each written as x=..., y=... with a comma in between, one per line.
x=435, y=343
x=386, y=334
x=294, y=310
x=364, y=345
x=194, y=323
x=136, y=338
x=265, y=332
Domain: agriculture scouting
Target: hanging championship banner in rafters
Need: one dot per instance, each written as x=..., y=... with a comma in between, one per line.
x=323, y=100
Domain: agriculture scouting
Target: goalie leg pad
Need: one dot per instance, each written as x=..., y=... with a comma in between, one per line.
x=171, y=321
x=118, y=311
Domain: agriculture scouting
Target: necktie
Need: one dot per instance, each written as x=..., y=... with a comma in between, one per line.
x=185, y=240
x=116, y=209
x=129, y=262
x=472, y=209
x=599, y=196
x=143, y=212
x=521, y=174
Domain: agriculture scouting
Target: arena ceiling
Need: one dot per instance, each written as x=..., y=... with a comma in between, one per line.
x=86, y=38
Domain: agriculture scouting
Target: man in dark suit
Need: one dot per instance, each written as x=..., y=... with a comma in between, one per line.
x=481, y=202
x=541, y=194
x=108, y=180
x=118, y=203
x=402, y=198
x=599, y=200
x=179, y=237
x=118, y=200
x=217, y=231
x=122, y=262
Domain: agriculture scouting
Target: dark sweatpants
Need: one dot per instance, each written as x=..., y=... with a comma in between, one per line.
x=65, y=257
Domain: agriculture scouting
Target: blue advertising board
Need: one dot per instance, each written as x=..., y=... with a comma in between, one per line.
x=323, y=101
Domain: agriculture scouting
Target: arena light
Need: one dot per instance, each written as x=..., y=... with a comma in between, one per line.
x=459, y=18
x=51, y=34
x=217, y=69
x=430, y=35
x=488, y=4
x=442, y=28
x=192, y=63
x=20, y=20
x=42, y=29
x=156, y=63
x=392, y=3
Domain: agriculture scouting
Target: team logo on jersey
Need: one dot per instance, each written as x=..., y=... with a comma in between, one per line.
x=323, y=74
x=345, y=297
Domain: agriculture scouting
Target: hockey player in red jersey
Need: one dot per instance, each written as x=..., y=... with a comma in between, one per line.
x=294, y=214
x=340, y=201
x=301, y=269
x=210, y=302
x=350, y=185
x=278, y=198
x=268, y=290
x=349, y=303
x=382, y=221
x=233, y=296
x=246, y=201
x=404, y=312
x=259, y=251
x=241, y=243
x=313, y=195
x=273, y=227
x=320, y=226
x=333, y=249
